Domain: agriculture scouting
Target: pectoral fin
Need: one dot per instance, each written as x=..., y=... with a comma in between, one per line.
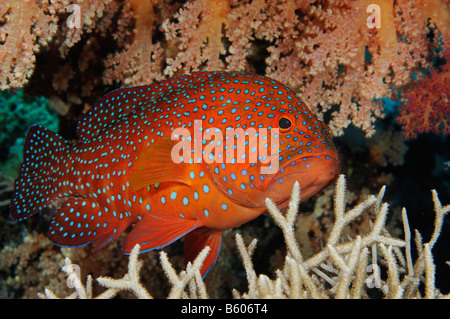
x=155, y=165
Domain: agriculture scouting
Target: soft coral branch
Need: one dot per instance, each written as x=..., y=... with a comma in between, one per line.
x=197, y=36
x=141, y=61
x=428, y=107
x=323, y=49
x=25, y=26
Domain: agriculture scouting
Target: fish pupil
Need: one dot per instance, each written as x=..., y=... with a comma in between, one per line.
x=284, y=123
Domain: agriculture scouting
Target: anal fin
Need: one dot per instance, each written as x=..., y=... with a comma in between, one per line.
x=194, y=243
x=80, y=221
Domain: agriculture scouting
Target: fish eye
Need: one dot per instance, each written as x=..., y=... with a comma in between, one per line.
x=284, y=123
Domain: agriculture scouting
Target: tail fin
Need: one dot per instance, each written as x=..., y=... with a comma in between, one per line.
x=35, y=187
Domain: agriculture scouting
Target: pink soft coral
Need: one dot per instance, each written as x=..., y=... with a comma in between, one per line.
x=322, y=49
x=428, y=108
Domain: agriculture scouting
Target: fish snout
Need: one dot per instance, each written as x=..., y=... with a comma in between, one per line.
x=313, y=173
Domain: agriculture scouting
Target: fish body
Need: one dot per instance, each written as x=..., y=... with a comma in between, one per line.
x=188, y=157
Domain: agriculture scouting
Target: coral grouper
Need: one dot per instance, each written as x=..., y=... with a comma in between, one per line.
x=191, y=156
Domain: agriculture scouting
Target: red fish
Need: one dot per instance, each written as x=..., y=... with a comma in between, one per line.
x=162, y=157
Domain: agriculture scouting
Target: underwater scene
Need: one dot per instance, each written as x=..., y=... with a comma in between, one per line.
x=225, y=149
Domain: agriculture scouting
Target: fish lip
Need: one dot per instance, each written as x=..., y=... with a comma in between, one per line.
x=318, y=176
x=283, y=203
x=280, y=174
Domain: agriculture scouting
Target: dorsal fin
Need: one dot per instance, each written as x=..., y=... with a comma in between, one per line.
x=118, y=103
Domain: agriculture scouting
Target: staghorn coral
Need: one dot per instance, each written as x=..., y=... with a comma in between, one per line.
x=187, y=284
x=322, y=49
x=27, y=267
x=340, y=270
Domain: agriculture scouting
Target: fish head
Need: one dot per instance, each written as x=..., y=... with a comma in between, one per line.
x=275, y=141
x=306, y=154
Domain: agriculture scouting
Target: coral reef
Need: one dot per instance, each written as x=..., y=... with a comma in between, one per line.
x=17, y=113
x=27, y=27
x=324, y=50
x=340, y=270
x=368, y=84
x=428, y=105
x=383, y=153
x=20, y=263
x=191, y=279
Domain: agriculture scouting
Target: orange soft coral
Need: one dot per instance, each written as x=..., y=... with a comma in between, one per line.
x=326, y=60
x=25, y=26
x=323, y=49
x=141, y=61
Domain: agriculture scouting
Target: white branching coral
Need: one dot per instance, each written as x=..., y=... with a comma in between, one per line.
x=343, y=269
x=188, y=284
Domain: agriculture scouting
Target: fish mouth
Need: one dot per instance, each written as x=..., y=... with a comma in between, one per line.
x=313, y=173
x=310, y=167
